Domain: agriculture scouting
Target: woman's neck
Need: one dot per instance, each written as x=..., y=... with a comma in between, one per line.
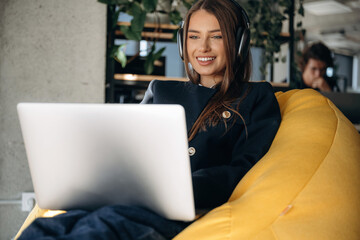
x=210, y=82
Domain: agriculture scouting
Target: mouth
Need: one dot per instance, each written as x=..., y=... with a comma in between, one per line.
x=205, y=60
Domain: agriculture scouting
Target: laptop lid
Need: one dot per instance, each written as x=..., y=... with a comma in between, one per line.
x=90, y=155
x=348, y=104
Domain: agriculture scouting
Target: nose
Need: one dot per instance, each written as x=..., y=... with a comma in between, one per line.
x=204, y=45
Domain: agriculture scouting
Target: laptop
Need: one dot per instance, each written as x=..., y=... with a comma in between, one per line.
x=84, y=156
x=348, y=104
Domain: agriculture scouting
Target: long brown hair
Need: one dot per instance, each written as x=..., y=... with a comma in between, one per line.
x=236, y=72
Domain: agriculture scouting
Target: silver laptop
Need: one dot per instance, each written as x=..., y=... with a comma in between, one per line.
x=90, y=155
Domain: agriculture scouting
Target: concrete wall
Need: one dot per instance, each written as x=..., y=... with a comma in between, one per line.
x=50, y=51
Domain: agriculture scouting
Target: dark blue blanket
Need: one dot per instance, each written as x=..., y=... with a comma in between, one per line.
x=111, y=222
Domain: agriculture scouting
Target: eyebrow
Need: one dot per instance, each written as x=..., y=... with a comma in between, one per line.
x=211, y=31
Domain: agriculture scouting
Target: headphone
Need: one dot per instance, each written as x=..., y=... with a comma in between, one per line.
x=242, y=36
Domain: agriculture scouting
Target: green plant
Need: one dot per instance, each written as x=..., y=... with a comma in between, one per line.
x=266, y=19
x=138, y=9
x=266, y=22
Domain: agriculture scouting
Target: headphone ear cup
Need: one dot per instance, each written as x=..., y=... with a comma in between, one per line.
x=243, y=38
x=180, y=42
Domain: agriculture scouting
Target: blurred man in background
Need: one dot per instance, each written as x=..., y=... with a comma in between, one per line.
x=315, y=62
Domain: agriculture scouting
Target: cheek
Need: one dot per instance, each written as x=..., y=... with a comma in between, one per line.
x=222, y=54
x=191, y=49
x=220, y=51
x=188, y=49
x=307, y=72
x=313, y=72
x=190, y=46
x=306, y=75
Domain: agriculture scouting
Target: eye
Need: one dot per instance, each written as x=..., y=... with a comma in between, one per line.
x=193, y=37
x=217, y=37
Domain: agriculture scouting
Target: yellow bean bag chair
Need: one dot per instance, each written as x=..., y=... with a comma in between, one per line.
x=306, y=187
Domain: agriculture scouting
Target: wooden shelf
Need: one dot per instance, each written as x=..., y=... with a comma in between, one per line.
x=153, y=30
x=148, y=78
x=280, y=84
x=158, y=35
x=153, y=25
x=282, y=34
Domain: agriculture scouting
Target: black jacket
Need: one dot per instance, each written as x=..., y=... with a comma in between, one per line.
x=222, y=157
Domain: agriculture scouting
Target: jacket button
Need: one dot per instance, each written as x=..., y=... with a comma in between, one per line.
x=226, y=114
x=191, y=151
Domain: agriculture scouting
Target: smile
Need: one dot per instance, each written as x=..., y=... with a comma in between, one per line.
x=205, y=59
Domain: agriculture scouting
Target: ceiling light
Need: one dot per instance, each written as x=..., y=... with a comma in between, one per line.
x=326, y=7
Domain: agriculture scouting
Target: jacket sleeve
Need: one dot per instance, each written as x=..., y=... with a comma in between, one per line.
x=149, y=95
x=213, y=186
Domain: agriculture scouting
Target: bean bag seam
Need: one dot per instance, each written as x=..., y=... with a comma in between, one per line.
x=273, y=232
x=310, y=178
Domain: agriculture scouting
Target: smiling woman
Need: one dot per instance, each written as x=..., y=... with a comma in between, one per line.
x=231, y=123
x=205, y=48
x=216, y=39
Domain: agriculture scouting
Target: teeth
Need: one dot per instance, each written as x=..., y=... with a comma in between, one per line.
x=204, y=59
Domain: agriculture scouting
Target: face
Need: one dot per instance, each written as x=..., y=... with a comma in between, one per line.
x=314, y=69
x=205, y=47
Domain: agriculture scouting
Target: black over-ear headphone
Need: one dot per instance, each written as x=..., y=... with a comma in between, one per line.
x=242, y=35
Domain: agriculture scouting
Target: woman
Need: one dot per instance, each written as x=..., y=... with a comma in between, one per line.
x=231, y=122
x=231, y=125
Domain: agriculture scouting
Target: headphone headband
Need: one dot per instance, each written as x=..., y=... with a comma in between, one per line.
x=243, y=13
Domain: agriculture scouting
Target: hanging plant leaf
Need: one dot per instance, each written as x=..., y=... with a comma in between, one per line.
x=301, y=10
x=133, y=32
x=150, y=5
x=188, y=3
x=303, y=32
x=134, y=9
x=137, y=23
x=151, y=58
x=158, y=54
x=120, y=56
x=175, y=17
x=130, y=34
x=115, y=18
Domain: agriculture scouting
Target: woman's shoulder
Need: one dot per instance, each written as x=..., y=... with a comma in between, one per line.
x=254, y=94
x=161, y=86
x=255, y=90
x=261, y=86
x=180, y=87
x=168, y=83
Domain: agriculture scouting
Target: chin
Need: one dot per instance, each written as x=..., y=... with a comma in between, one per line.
x=207, y=73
